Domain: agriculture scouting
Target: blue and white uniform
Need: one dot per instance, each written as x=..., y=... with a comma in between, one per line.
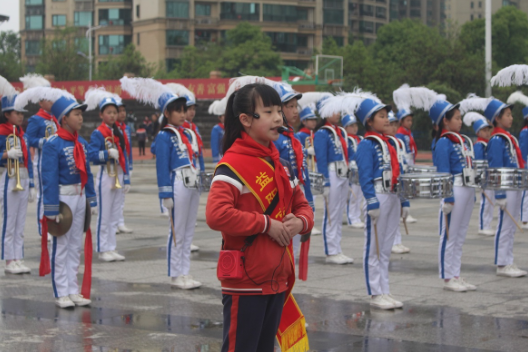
x=409, y=153
x=486, y=209
x=523, y=145
x=130, y=161
x=217, y=135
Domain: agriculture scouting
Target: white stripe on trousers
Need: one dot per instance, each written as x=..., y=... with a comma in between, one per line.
x=506, y=229
x=109, y=206
x=37, y=176
x=184, y=213
x=524, y=207
x=121, y=221
x=336, y=206
x=14, y=207
x=486, y=210
x=450, y=249
x=377, y=271
x=354, y=206
x=66, y=250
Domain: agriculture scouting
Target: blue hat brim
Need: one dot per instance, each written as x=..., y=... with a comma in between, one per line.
x=290, y=96
x=174, y=98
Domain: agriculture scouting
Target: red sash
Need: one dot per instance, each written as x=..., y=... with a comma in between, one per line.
x=404, y=131
x=341, y=139
x=107, y=132
x=192, y=126
x=221, y=126
x=482, y=140
x=355, y=136
x=515, y=145
x=78, y=153
x=6, y=129
x=305, y=130
x=298, y=150
x=395, y=165
x=122, y=127
x=44, y=114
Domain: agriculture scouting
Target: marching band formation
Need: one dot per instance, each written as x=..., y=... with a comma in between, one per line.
x=274, y=150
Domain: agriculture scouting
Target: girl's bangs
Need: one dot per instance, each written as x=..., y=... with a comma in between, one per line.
x=268, y=94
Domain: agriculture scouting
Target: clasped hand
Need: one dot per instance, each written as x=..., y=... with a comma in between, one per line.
x=283, y=232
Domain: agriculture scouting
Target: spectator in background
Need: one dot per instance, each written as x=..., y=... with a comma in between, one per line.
x=155, y=126
x=141, y=134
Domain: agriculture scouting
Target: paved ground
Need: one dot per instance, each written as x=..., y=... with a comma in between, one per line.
x=134, y=308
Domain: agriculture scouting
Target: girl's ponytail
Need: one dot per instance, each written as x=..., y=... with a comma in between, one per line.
x=233, y=126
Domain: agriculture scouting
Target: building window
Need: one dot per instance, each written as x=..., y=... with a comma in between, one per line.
x=171, y=64
x=202, y=10
x=34, y=22
x=202, y=36
x=137, y=38
x=110, y=0
x=280, y=13
x=480, y=4
x=416, y=3
x=284, y=42
x=175, y=37
x=480, y=15
x=177, y=9
x=58, y=20
x=302, y=14
x=471, y=17
x=82, y=19
x=34, y=2
x=416, y=13
x=113, y=44
x=366, y=10
x=366, y=27
x=339, y=40
x=378, y=26
x=137, y=11
x=472, y=5
x=32, y=47
x=302, y=41
x=381, y=12
x=115, y=17
x=333, y=12
x=239, y=11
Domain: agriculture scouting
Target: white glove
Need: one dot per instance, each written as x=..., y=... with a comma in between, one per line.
x=113, y=153
x=168, y=203
x=94, y=210
x=130, y=173
x=405, y=213
x=447, y=208
x=126, y=189
x=15, y=153
x=57, y=219
x=501, y=203
x=310, y=150
x=326, y=192
x=32, y=195
x=374, y=215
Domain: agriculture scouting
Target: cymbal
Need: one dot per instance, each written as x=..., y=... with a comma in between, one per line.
x=65, y=223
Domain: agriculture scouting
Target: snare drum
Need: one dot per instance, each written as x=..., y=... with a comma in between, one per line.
x=317, y=182
x=420, y=169
x=506, y=178
x=426, y=185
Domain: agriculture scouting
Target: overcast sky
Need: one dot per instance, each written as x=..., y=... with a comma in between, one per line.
x=10, y=8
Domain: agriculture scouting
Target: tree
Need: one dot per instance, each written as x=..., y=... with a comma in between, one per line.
x=510, y=36
x=11, y=68
x=130, y=61
x=60, y=55
x=196, y=62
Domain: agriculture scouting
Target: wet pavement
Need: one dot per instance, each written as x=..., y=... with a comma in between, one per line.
x=135, y=309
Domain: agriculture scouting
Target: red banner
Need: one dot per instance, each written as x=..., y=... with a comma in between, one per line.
x=203, y=88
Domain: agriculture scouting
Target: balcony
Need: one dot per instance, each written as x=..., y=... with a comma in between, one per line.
x=206, y=21
x=305, y=51
x=83, y=5
x=333, y=30
x=173, y=52
x=307, y=26
x=173, y=23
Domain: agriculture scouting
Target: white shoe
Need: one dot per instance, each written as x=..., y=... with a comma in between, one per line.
x=13, y=268
x=525, y=226
x=486, y=232
x=117, y=256
x=178, y=282
x=396, y=303
x=164, y=214
x=123, y=229
x=79, y=300
x=510, y=271
x=194, y=248
x=381, y=302
x=357, y=225
x=348, y=259
x=25, y=269
x=455, y=285
x=64, y=302
x=397, y=249
x=336, y=259
x=469, y=286
x=410, y=220
x=107, y=256
x=315, y=231
x=190, y=283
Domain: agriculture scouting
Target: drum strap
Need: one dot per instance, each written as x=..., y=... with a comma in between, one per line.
x=337, y=142
x=194, y=141
x=512, y=147
x=354, y=143
x=177, y=134
x=468, y=154
x=384, y=148
x=399, y=150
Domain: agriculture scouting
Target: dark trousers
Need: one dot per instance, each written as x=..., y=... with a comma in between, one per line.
x=141, y=147
x=251, y=322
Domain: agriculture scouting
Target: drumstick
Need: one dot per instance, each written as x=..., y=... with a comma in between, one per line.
x=405, y=225
x=376, y=237
x=506, y=210
x=327, y=211
x=446, y=226
x=172, y=226
x=352, y=191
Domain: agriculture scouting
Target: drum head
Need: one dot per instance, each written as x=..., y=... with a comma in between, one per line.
x=64, y=225
x=87, y=216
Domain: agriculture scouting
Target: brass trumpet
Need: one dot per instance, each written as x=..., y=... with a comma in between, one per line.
x=13, y=166
x=109, y=165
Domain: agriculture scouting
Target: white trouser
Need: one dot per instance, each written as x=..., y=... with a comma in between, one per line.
x=450, y=249
x=14, y=207
x=377, y=270
x=333, y=213
x=524, y=207
x=109, y=207
x=37, y=176
x=506, y=229
x=354, y=205
x=121, y=221
x=486, y=210
x=184, y=213
x=66, y=249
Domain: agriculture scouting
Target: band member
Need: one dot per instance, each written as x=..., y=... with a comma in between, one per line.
x=258, y=305
x=125, y=132
x=108, y=150
x=177, y=173
x=217, y=133
x=16, y=183
x=67, y=178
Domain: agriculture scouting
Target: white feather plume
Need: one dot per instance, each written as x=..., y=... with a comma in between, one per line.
x=145, y=90
x=424, y=98
x=218, y=107
x=180, y=90
x=518, y=97
x=32, y=80
x=36, y=94
x=512, y=75
x=474, y=102
x=238, y=82
x=212, y=107
x=95, y=95
x=6, y=89
x=312, y=98
x=472, y=117
x=345, y=102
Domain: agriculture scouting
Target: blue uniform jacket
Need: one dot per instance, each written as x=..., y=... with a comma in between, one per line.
x=58, y=168
x=98, y=154
x=523, y=143
x=480, y=150
x=217, y=134
x=406, y=141
x=130, y=158
x=3, y=162
x=36, y=131
x=170, y=155
x=499, y=155
x=301, y=136
x=327, y=152
x=198, y=156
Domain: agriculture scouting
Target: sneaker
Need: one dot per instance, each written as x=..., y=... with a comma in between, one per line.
x=21, y=265
x=190, y=283
x=123, y=229
x=396, y=303
x=194, y=248
x=117, y=256
x=510, y=271
x=525, y=225
x=79, y=300
x=315, y=231
x=64, y=302
x=357, y=225
x=486, y=232
x=13, y=268
x=397, y=249
x=469, y=286
x=410, y=220
x=455, y=285
x=178, y=282
x=107, y=256
x=164, y=214
x=404, y=248
x=381, y=302
x=348, y=259
x=335, y=259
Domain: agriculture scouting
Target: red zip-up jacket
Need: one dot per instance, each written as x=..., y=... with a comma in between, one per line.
x=234, y=211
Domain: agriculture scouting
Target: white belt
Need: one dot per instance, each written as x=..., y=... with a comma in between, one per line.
x=70, y=190
x=335, y=165
x=458, y=181
x=378, y=186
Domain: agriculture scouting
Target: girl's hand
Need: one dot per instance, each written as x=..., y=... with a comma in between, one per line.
x=293, y=224
x=279, y=233
x=447, y=208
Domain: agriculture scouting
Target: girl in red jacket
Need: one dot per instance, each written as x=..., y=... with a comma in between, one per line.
x=257, y=205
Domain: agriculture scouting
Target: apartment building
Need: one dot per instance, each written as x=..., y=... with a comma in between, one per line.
x=461, y=11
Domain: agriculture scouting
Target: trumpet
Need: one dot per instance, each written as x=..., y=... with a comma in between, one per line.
x=13, y=166
x=111, y=168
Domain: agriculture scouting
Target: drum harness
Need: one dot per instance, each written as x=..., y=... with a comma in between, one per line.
x=340, y=166
x=386, y=176
x=512, y=147
x=468, y=172
x=188, y=174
